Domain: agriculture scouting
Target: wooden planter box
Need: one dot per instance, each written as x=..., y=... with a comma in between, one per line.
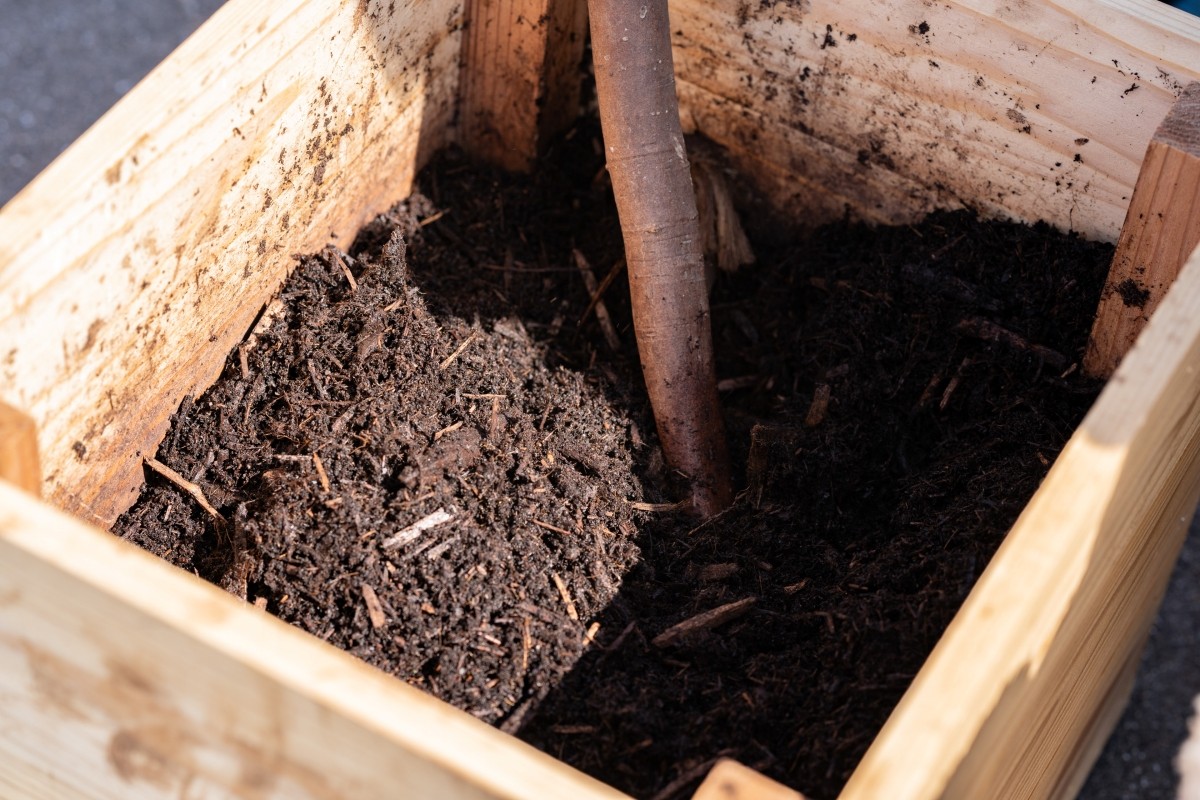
x=139, y=259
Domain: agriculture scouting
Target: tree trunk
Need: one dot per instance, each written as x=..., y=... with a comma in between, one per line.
x=643, y=142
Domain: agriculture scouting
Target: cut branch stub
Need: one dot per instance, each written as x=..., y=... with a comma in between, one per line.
x=647, y=161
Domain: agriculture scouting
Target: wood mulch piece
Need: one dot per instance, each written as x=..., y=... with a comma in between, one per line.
x=429, y=460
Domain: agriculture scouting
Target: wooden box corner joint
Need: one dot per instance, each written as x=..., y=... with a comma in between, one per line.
x=521, y=78
x=1161, y=229
x=19, y=463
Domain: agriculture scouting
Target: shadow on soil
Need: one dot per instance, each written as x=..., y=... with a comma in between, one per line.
x=857, y=534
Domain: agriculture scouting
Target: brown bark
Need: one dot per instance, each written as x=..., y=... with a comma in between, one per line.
x=647, y=161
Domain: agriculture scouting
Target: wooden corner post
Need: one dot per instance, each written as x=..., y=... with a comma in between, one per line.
x=730, y=780
x=521, y=76
x=19, y=464
x=1161, y=229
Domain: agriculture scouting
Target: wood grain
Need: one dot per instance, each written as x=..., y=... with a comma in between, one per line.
x=521, y=76
x=891, y=109
x=123, y=678
x=1161, y=228
x=19, y=462
x=1026, y=684
x=137, y=260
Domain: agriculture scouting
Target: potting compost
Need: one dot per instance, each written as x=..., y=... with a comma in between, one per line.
x=432, y=454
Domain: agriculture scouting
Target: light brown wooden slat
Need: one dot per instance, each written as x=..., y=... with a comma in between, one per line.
x=1026, y=684
x=19, y=462
x=123, y=678
x=1161, y=228
x=829, y=106
x=521, y=76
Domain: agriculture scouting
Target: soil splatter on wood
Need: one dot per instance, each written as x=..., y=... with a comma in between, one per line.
x=1132, y=295
x=434, y=458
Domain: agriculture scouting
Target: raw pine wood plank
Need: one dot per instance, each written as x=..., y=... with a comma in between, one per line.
x=138, y=259
x=894, y=108
x=1018, y=697
x=1161, y=228
x=123, y=678
x=730, y=780
x=19, y=463
x=562, y=75
x=521, y=76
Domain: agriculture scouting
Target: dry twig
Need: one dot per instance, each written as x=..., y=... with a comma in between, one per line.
x=612, y=275
x=374, y=607
x=526, y=643
x=183, y=483
x=321, y=475
x=566, y=596
x=549, y=527
x=448, y=429
x=414, y=531
x=706, y=620
x=589, y=280
x=681, y=505
x=461, y=348
x=991, y=332
x=349, y=275
x=620, y=640
x=344, y=261
x=432, y=218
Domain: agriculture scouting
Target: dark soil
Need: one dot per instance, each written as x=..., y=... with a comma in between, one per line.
x=893, y=398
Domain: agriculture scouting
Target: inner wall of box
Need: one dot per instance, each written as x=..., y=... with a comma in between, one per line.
x=885, y=111
x=892, y=110
x=158, y=237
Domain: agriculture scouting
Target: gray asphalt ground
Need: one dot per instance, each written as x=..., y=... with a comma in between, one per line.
x=63, y=63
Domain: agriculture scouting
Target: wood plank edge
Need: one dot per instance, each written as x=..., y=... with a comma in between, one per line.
x=1144, y=426
x=449, y=740
x=1158, y=233
x=730, y=780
